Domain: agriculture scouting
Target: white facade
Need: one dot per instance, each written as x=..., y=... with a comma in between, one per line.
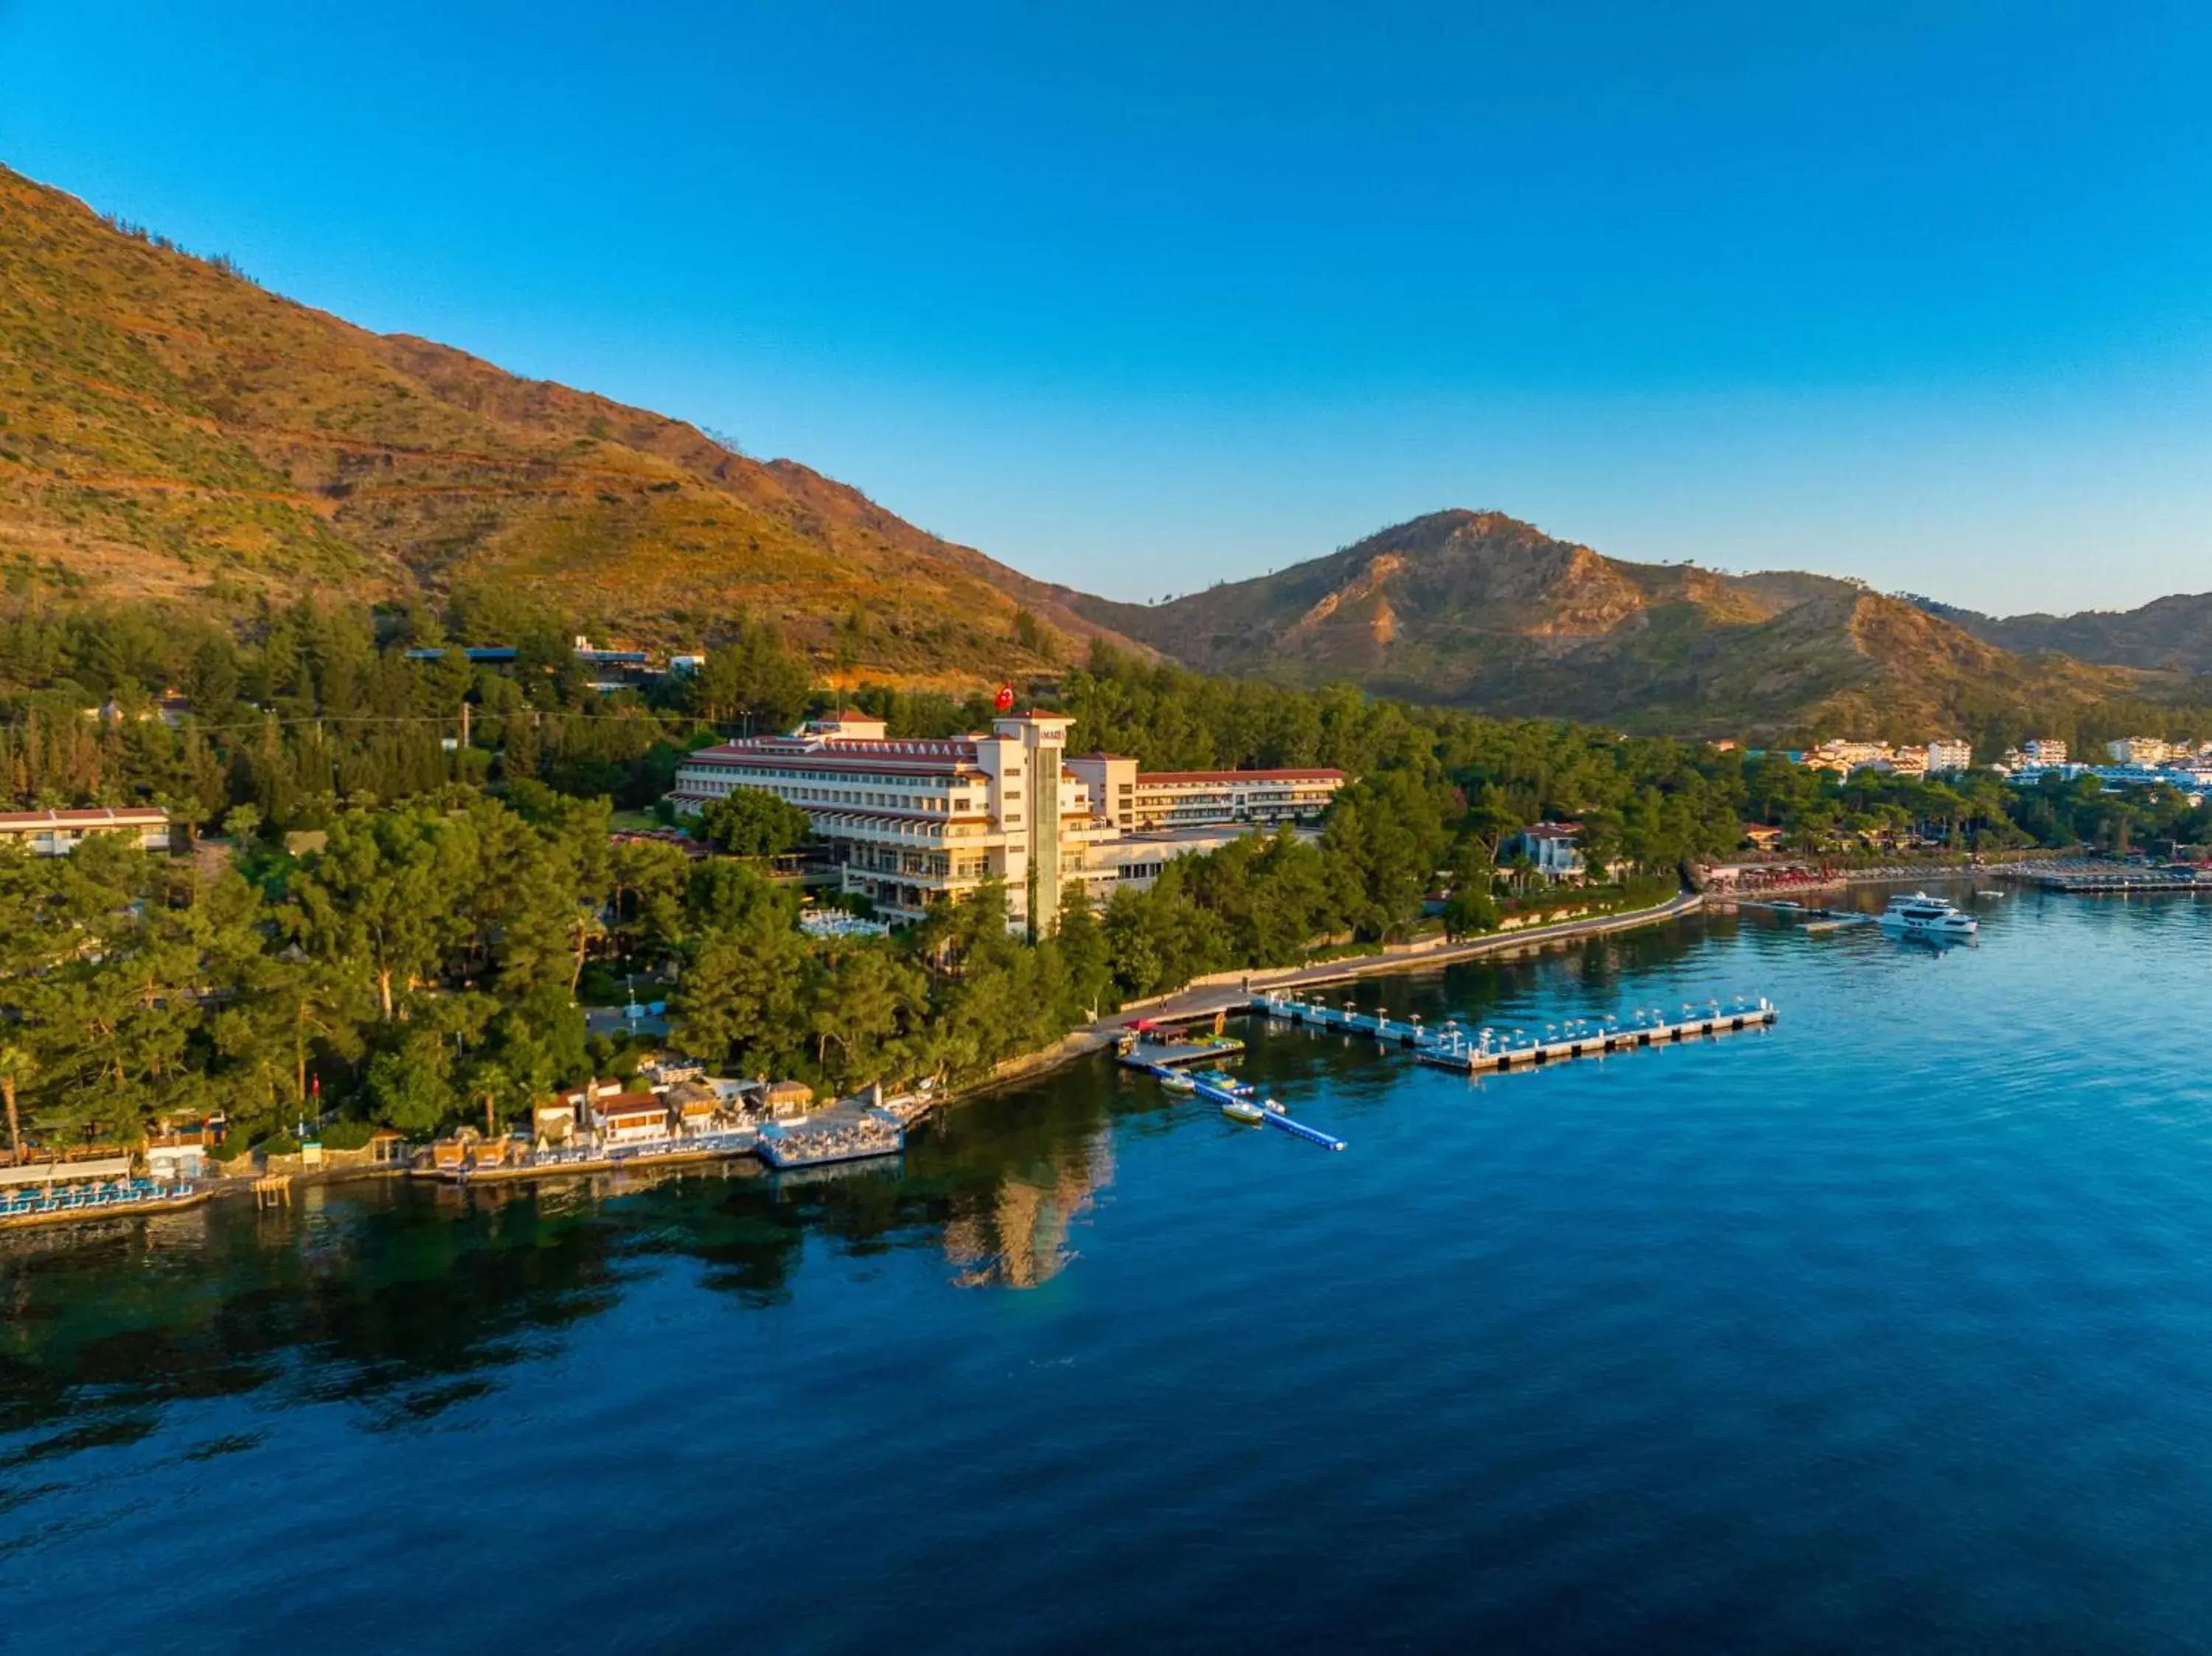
x=1551, y=846
x=1945, y=754
x=911, y=823
x=1137, y=801
x=2140, y=750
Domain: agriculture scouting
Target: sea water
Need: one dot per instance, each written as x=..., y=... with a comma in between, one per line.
x=1888, y=1327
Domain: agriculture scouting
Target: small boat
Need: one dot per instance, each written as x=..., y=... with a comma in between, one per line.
x=1222, y=1080
x=1922, y=916
x=1272, y=1107
x=1176, y=1081
x=1238, y=1109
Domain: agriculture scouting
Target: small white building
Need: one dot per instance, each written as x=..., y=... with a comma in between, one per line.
x=1551, y=846
x=1947, y=755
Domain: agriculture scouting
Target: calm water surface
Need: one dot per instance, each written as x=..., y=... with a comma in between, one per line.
x=1888, y=1328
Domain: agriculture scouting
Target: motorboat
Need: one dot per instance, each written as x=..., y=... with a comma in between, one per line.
x=1922, y=916
x=1176, y=1081
x=1222, y=1081
x=1239, y=1109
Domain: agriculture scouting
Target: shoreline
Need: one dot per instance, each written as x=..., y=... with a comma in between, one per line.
x=1193, y=1002
x=1205, y=1000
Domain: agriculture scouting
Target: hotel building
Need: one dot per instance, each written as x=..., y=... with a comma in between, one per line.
x=910, y=822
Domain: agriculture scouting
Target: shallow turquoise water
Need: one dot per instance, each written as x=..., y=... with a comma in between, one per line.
x=1890, y=1327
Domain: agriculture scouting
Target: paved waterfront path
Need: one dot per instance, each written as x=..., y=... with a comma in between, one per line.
x=1229, y=996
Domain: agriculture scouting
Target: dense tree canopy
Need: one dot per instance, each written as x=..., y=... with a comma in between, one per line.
x=421, y=960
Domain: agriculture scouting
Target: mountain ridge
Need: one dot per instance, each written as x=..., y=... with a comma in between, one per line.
x=2173, y=633
x=1477, y=608
x=176, y=432
x=170, y=431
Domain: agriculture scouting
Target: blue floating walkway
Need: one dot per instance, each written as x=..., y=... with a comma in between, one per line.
x=1299, y=1130
x=1275, y=1117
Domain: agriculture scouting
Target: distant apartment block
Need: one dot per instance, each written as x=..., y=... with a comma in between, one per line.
x=910, y=822
x=2141, y=751
x=57, y=833
x=1844, y=757
x=1947, y=756
x=1944, y=756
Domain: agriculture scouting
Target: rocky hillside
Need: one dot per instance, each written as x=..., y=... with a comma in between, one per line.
x=169, y=430
x=1476, y=609
x=2171, y=633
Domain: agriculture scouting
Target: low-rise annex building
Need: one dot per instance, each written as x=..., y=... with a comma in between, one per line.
x=57, y=833
x=1139, y=801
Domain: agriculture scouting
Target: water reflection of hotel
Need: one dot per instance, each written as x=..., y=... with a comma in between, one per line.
x=1016, y=1236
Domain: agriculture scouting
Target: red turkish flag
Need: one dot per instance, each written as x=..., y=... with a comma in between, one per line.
x=1005, y=703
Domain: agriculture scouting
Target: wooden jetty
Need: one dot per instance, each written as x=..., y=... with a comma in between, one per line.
x=1484, y=1049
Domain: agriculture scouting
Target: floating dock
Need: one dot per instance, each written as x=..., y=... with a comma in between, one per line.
x=1482, y=1050
x=1161, y=1054
x=1299, y=1130
x=1240, y=1093
x=1834, y=923
x=2109, y=881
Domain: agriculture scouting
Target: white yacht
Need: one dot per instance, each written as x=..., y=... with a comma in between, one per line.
x=1922, y=916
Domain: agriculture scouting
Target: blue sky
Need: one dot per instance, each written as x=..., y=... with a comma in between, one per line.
x=1139, y=298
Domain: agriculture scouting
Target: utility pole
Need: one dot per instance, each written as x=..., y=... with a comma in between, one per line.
x=464, y=725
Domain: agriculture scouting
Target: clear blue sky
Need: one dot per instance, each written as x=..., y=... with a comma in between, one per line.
x=1138, y=298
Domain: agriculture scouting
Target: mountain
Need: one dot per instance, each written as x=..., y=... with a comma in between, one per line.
x=1476, y=609
x=2170, y=632
x=171, y=431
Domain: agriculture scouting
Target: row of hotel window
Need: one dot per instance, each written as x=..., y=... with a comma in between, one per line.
x=800, y=795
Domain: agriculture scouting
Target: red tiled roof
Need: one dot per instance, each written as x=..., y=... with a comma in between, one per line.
x=630, y=1104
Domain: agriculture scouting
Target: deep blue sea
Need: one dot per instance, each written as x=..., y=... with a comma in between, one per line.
x=1887, y=1329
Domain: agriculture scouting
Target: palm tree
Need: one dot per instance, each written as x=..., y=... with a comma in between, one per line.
x=16, y=1065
